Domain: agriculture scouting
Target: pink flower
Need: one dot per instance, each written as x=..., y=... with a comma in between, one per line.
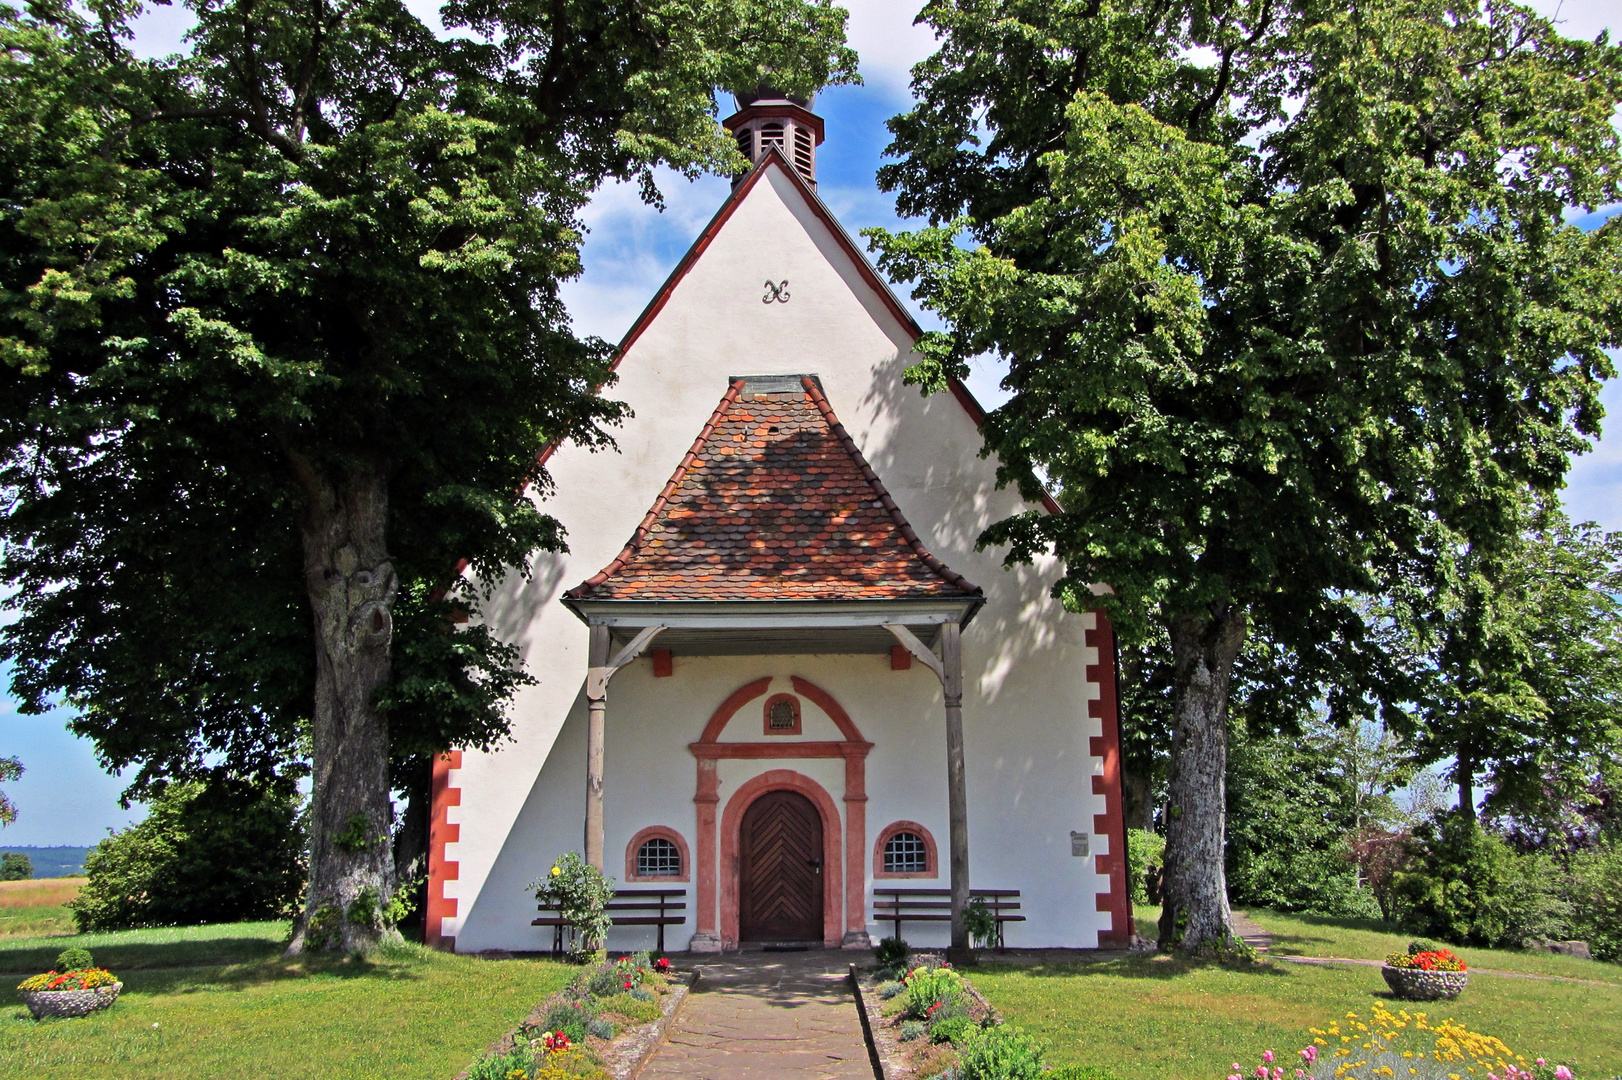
x=1267, y=1056
x=1311, y=1054
x=1562, y=1073
x=1261, y=1071
x=1299, y=1073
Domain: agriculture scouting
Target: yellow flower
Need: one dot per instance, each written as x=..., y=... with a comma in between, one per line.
x=556, y=871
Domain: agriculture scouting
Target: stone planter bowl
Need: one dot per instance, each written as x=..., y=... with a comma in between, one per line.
x=43, y=1003
x=1417, y=984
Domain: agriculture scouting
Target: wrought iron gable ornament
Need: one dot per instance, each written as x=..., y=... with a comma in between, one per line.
x=776, y=292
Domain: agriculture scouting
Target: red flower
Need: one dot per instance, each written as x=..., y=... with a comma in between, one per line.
x=627, y=984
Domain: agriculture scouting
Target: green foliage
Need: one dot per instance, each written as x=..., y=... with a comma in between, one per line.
x=16, y=866
x=74, y=959
x=10, y=769
x=892, y=954
x=217, y=851
x=1081, y=1072
x=927, y=987
x=980, y=922
x=518, y=1061
x=1518, y=677
x=1466, y=886
x=581, y=893
x=913, y=1029
x=1001, y=1053
x=1292, y=801
x=1281, y=330
x=600, y=1029
x=310, y=266
x=889, y=989
x=570, y=1017
x=1143, y=850
x=630, y=1006
x=952, y=1029
x=1595, y=894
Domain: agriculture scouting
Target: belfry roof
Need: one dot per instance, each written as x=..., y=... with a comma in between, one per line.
x=774, y=502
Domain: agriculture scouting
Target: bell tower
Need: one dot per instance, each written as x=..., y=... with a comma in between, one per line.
x=767, y=120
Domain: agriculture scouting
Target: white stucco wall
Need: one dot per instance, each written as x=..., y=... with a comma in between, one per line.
x=1025, y=704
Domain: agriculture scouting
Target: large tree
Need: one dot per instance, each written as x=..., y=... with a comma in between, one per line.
x=282, y=344
x=1288, y=303
x=1518, y=667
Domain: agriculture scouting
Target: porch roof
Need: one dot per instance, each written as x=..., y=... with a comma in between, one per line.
x=775, y=504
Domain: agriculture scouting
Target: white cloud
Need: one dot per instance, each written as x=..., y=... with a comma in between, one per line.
x=889, y=44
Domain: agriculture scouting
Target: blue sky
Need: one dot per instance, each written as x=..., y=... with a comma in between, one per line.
x=65, y=798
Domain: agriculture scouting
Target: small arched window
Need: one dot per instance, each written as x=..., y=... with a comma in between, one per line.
x=782, y=715
x=771, y=135
x=657, y=853
x=905, y=849
x=658, y=858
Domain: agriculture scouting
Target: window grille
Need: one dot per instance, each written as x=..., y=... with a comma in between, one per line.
x=905, y=853
x=782, y=716
x=658, y=858
x=771, y=135
x=802, y=152
x=746, y=143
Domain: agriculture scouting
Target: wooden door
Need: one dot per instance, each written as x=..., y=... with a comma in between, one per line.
x=780, y=869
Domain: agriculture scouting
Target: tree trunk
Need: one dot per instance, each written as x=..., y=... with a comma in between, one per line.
x=1465, y=773
x=1195, y=914
x=1137, y=792
x=352, y=586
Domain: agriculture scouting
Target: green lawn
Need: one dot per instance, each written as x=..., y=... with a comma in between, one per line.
x=1154, y=1018
x=218, y=1001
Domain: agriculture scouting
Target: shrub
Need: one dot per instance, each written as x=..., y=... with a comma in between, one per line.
x=208, y=852
x=600, y=1029
x=927, y=987
x=581, y=894
x=502, y=1066
x=74, y=959
x=1001, y=1053
x=1595, y=889
x=892, y=953
x=1142, y=849
x=913, y=1029
x=980, y=922
x=888, y=990
x=642, y=994
x=1465, y=885
x=610, y=981
x=571, y=1018
x=954, y=1030
x=15, y=866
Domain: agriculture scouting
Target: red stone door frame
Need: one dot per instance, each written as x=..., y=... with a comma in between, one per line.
x=844, y=879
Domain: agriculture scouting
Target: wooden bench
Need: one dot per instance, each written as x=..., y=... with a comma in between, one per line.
x=657, y=907
x=897, y=906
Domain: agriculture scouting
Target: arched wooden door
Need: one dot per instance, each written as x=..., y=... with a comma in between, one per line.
x=780, y=869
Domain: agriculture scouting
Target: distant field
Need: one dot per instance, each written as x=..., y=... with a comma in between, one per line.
x=37, y=908
x=53, y=862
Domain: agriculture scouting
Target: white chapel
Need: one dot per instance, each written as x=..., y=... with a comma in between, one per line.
x=780, y=697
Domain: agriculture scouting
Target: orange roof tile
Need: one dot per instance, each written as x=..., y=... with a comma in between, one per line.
x=774, y=502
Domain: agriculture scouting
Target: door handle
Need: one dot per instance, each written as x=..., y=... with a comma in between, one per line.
x=815, y=864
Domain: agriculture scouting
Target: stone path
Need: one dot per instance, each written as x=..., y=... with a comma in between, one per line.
x=766, y=1015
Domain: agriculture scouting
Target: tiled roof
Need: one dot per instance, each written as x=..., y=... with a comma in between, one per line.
x=774, y=502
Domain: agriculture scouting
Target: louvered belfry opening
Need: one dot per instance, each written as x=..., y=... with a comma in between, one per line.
x=768, y=120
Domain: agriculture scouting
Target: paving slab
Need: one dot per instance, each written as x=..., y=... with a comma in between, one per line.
x=760, y=1016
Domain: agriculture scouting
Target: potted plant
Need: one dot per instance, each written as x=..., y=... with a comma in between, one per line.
x=1425, y=973
x=75, y=987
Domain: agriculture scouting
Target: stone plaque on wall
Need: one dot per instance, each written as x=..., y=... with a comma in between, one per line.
x=1079, y=842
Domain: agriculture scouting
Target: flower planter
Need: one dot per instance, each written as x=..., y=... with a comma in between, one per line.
x=1417, y=984
x=43, y=1003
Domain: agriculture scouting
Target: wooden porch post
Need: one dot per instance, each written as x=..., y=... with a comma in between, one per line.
x=957, y=796
x=597, y=706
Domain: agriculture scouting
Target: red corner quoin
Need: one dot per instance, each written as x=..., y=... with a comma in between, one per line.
x=440, y=833
x=1112, y=822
